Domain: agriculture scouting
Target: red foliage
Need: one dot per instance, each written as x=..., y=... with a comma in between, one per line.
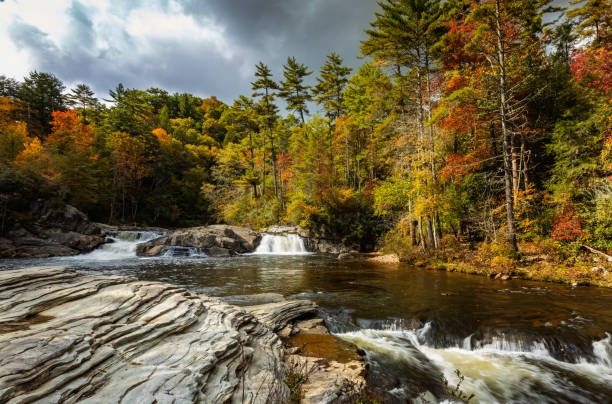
x=593, y=68
x=458, y=165
x=567, y=225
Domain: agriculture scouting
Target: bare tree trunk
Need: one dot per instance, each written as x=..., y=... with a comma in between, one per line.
x=515, y=168
x=525, y=161
x=421, y=235
x=346, y=156
x=430, y=233
x=274, y=166
x=413, y=241
x=252, y=160
x=505, y=133
x=263, y=166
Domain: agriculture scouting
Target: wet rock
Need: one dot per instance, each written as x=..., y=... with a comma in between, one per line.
x=219, y=252
x=312, y=326
x=67, y=337
x=216, y=240
x=345, y=256
x=277, y=229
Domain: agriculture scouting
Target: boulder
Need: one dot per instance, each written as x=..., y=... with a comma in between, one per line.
x=68, y=337
x=56, y=230
x=328, y=246
x=216, y=240
x=278, y=229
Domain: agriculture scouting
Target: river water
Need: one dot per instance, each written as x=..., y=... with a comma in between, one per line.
x=513, y=341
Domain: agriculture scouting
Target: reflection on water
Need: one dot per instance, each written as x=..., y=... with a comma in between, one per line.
x=514, y=341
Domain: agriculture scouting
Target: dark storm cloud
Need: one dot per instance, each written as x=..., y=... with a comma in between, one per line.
x=307, y=30
x=266, y=30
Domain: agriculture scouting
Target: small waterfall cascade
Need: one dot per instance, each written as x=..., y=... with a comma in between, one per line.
x=175, y=251
x=123, y=245
x=281, y=244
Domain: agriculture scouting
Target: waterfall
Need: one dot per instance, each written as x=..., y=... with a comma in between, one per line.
x=123, y=245
x=281, y=244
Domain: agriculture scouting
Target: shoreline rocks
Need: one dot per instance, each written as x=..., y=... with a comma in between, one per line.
x=67, y=336
x=385, y=259
x=56, y=230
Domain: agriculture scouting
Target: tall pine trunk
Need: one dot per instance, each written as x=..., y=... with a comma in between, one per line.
x=505, y=132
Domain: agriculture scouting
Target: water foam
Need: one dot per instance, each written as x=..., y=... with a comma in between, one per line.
x=500, y=370
x=281, y=244
x=123, y=245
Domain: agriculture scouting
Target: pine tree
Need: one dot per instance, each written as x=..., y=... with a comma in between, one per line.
x=330, y=87
x=83, y=98
x=293, y=89
x=41, y=94
x=265, y=88
x=593, y=17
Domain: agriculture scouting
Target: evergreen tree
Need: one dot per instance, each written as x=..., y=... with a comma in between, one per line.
x=82, y=98
x=42, y=94
x=593, y=17
x=330, y=87
x=293, y=89
x=265, y=88
x=8, y=87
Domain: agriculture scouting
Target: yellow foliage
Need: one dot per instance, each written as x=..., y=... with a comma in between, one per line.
x=33, y=157
x=13, y=138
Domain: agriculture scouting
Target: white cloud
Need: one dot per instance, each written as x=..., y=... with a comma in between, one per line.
x=120, y=34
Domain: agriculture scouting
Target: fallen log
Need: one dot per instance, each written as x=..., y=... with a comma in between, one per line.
x=594, y=251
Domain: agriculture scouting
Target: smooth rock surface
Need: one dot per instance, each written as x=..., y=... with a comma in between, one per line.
x=68, y=337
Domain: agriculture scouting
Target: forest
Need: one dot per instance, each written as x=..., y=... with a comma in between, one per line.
x=476, y=124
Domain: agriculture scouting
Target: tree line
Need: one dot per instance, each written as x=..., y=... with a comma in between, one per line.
x=481, y=120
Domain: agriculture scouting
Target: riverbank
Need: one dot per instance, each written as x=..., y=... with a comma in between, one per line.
x=535, y=262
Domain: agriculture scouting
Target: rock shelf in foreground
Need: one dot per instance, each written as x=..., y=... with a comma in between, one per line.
x=67, y=337
x=72, y=337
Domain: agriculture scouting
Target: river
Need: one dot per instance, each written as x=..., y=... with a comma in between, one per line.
x=512, y=341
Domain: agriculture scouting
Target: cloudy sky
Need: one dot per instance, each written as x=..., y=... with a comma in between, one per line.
x=206, y=47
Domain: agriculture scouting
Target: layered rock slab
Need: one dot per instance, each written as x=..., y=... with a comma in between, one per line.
x=70, y=337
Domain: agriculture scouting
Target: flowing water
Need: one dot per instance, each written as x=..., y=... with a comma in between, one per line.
x=512, y=341
x=281, y=244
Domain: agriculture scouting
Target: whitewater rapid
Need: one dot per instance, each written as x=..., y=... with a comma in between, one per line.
x=122, y=245
x=499, y=370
